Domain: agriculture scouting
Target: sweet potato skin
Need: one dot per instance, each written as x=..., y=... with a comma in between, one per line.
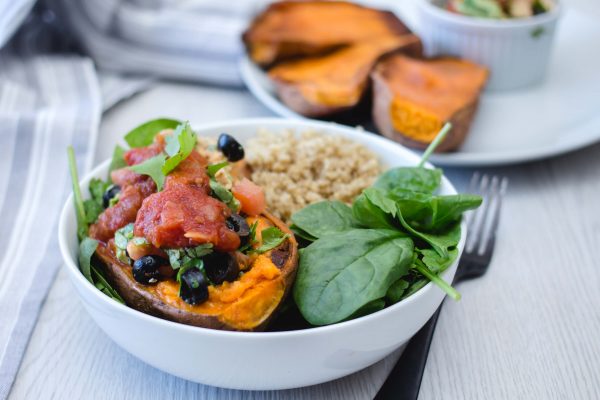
x=291, y=92
x=136, y=296
x=382, y=100
x=267, y=43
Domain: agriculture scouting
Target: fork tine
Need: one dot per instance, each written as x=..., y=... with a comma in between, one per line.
x=491, y=226
x=477, y=218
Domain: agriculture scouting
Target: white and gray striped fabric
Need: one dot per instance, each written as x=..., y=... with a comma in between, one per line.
x=46, y=103
x=50, y=100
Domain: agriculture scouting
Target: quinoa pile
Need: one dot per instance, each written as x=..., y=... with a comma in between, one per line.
x=295, y=171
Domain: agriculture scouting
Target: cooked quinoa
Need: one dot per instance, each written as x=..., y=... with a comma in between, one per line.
x=296, y=171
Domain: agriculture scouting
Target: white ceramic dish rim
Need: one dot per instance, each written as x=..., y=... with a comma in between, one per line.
x=490, y=23
x=259, y=122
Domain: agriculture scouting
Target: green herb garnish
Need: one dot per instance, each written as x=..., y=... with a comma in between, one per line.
x=122, y=238
x=212, y=169
x=221, y=193
x=179, y=258
x=271, y=238
x=179, y=147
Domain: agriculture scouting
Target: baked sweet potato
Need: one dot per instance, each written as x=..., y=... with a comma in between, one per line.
x=325, y=85
x=306, y=28
x=413, y=98
x=246, y=304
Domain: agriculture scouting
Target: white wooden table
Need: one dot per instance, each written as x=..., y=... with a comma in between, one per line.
x=529, y=329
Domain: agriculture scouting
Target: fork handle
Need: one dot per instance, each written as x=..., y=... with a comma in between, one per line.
x=409, y=369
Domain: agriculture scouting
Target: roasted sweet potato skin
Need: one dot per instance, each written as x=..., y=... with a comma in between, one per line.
x=432, y=87
x=139, y=297
x=291, y=29
x=327, y=85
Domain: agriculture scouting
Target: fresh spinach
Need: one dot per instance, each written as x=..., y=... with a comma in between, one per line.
x=320, y=219
x=102, y=284
x=117, y=161
x=87, y=248
x=372, y=209
x=396, y=291
x=82, y=224
x=143, y=135
x=93, y=206
x=341, y=273
x=415, y=179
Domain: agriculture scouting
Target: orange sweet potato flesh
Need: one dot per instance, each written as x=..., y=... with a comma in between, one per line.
x=290, y=29
x=325, y=85
x=247, y=304
x=414, y=98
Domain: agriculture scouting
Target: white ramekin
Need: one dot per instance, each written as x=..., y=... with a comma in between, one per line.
x=516, y=51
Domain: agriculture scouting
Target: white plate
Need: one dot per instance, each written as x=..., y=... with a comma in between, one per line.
x=561, y=115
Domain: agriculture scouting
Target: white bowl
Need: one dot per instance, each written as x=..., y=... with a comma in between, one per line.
x=258, y=360
x=515, y=50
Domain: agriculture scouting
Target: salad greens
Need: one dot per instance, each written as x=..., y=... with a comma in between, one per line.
x=271, y=238
x=397, y=236
x=87, y=245
x=93, y=206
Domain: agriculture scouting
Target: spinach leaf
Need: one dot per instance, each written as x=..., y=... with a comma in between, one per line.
x=374, y=210
x=300, y=233
x=271, y=237
x=369, y=308
x=416, y=207
x=440, y=241
x=339, y=274
x=434, y=262
x=395, y=292
x=179, y=146
x=82, y=224
x=117, y=161
x=410, y=178
x=143, y=135
x=93, y=206
x=87, y=248
x=102, y=284
x=449, y=209
x=323, y=218
x=153, y=167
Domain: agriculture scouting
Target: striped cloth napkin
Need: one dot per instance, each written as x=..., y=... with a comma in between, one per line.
x=51, y=97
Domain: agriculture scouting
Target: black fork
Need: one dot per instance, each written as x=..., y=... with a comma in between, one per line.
x=404, y=382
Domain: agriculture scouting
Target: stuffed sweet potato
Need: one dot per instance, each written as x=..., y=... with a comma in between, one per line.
x=326, y=85
x=414, y=98
x=186, y=237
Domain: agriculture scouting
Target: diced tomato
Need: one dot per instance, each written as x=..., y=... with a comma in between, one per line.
x=250, y=196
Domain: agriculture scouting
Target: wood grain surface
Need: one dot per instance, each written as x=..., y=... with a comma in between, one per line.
x=529, y=329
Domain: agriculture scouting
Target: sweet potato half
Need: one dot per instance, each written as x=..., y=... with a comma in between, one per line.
x=326, y=85
x=246, y=304
x=414, y=98
x=291, y=29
